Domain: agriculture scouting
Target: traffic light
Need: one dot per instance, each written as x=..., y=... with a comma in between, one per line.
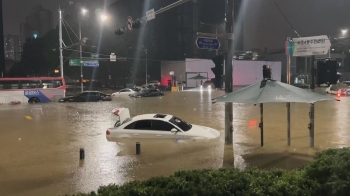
x=138, y=23
x=120, y=31
x=218, y=70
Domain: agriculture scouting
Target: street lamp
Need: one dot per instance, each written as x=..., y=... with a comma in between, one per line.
x=145, y=50
x=344, y=31
x=84, y=11
x=103, y=17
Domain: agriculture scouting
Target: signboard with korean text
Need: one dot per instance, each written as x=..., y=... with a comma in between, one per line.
x=308, y=46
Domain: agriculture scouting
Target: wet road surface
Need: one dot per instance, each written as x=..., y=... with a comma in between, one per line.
x=39, y=148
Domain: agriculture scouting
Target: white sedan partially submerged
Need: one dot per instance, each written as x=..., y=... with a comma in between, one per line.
x=162, y=126
x=124, y=92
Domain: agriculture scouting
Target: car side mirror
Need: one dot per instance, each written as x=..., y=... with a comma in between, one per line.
x=173, y=130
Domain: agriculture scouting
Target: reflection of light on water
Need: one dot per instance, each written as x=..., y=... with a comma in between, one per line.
x=341, y=130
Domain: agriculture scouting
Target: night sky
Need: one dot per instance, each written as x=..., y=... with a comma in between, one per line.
x=264, y=24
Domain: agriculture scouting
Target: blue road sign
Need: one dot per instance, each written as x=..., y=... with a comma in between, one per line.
x=91, y=64
x=208, y=43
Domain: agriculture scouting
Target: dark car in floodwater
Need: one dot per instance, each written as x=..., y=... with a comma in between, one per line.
x=301, y=85
x=87, y=96
x=147, y=93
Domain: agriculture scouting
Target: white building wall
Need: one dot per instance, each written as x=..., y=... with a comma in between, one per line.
x=178, y=67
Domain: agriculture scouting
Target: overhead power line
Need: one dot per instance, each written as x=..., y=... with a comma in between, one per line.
x=286, y=19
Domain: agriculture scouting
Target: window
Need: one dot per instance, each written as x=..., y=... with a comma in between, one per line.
x=161, y=125
x=24, y=84
x=57, y=83
x=92, y=93
x=180, y=123
x=47, y=84
x=143, y=125
x=124, y=91
x=9, y=85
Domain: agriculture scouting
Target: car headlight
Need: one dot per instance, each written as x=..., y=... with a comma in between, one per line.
x=201, y=86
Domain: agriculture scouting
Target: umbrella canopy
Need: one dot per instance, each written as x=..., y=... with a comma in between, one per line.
x=198, y=77
x=272, y=92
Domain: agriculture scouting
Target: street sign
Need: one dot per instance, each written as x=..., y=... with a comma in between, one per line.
x=308, y=46
x=87, y=62
x=150, y=15
x=113, y=57
x=208, y=43
x=130, y=21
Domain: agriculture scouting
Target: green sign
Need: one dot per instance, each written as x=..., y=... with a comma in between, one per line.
x=86, y=62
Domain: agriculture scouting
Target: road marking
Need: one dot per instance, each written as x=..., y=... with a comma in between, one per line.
x=28, y=118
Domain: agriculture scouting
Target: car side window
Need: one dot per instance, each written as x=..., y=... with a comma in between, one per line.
x=159, y=125
x=140, y=125
x=82, y=94
x=92, y=94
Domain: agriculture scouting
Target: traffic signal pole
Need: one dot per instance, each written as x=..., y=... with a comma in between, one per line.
x=228, y=71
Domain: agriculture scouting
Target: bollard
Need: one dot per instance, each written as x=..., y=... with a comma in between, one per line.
x=138, y=148
x=82, y=153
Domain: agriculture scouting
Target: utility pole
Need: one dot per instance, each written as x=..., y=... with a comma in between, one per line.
x=146, y=66
x=60, y=41
x=288, y=64
x=228, y=71
x=2, y=52
x=81, y=58
x=312, y=70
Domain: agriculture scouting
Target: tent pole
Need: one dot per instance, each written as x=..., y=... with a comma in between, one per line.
x=311, y=124
x=261, y=124
x=288, y=121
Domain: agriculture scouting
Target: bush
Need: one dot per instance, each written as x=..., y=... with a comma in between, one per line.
x=328, y=174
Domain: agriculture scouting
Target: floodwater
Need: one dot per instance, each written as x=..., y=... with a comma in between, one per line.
x=39, y=148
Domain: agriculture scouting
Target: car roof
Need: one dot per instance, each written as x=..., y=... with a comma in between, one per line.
x=152, y=117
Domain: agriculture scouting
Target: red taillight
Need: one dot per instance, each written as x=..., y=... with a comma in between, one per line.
x=116, y=112
x=338, y=94
x=107, y=132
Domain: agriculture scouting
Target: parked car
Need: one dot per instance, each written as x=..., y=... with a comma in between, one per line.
x=154, y=82
x=147, y=93
x=301, y=85
x=87, y=96
x=123, y=92
x=161, y=126
x=339, y=88
x=207, y=85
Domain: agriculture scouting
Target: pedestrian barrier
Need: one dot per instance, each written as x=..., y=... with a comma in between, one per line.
x=175, y=88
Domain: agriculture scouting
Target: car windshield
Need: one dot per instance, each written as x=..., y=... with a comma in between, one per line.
x=180, y=123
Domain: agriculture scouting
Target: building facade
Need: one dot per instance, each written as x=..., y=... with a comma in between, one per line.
x=13, y=47
x=37, y=23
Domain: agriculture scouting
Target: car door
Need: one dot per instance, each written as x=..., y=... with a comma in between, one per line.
x=153, y=93
x=81, y=97
x=163, y=130
x=124, y=92
x=141, y=129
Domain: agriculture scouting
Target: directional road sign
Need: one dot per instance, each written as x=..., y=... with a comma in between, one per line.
x=130, y=21
x=208, y=43
x=150, y=15
x=87, y=62
x=308, y=46
x=113, y=57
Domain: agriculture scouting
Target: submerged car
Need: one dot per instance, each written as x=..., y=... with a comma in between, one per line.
x=87, y=96
x=301, y=85
x=338, y=89
x=162, y=126
x=147, y=93
x=126, y=91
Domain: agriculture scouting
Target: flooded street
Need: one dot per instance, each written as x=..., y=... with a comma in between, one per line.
x=39, y=148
